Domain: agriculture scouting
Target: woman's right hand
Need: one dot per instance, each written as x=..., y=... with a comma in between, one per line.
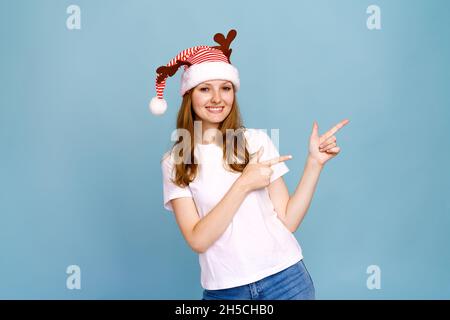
x=257, y=174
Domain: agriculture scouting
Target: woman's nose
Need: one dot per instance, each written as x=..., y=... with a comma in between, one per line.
x=216, y=97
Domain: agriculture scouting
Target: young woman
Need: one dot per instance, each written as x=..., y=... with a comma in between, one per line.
x=227, y=191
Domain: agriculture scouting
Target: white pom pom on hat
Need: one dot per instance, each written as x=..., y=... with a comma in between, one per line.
x=201, y=63
x=158, y=106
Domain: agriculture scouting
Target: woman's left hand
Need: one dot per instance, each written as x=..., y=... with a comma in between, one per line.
x=323, y=148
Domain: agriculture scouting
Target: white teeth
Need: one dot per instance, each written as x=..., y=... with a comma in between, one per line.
x=214, y=109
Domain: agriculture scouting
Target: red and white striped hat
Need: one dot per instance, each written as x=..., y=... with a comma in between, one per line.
x=201, y=63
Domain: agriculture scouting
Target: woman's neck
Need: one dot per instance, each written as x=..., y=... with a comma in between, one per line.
x=209, y=136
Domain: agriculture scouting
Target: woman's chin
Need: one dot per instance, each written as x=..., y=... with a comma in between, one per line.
x=215, y=118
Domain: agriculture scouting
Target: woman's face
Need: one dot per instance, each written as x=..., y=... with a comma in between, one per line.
x=212, y=101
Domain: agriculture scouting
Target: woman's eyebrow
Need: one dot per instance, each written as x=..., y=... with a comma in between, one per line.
x=223, y=83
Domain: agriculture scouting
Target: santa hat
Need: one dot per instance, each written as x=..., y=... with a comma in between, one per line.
x=201, y=63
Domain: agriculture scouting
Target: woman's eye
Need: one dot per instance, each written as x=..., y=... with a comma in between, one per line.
x=205, y=89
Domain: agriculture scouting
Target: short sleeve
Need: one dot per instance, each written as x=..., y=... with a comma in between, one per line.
x=170, y=189
x=261, y=138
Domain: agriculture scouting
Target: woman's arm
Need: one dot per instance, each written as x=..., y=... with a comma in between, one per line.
x=202, y=233
x=292, y=209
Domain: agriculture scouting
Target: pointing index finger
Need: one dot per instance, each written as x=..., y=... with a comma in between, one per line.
x=276, y=160
x=335, y=129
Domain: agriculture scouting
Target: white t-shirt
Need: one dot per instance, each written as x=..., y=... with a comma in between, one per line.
x=256, y=243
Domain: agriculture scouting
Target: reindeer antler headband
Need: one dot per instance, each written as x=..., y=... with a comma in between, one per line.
x=201, y=63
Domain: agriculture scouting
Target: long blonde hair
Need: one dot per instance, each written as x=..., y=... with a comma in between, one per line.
x=185, y=173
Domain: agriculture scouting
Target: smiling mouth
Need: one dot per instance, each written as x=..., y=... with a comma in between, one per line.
x=215, y=109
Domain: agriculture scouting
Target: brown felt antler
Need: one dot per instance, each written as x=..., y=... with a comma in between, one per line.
x=165, y=71
x=225, y=42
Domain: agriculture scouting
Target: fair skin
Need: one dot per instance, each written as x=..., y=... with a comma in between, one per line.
x=292, y=209
x=200, y=234
x=214, y=93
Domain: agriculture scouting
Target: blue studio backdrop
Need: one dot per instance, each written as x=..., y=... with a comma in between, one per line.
x=80, y=175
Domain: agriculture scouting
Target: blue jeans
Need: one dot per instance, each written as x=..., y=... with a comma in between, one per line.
x=292, y=283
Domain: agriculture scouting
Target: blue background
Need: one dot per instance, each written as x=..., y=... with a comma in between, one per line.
x=79, y=168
